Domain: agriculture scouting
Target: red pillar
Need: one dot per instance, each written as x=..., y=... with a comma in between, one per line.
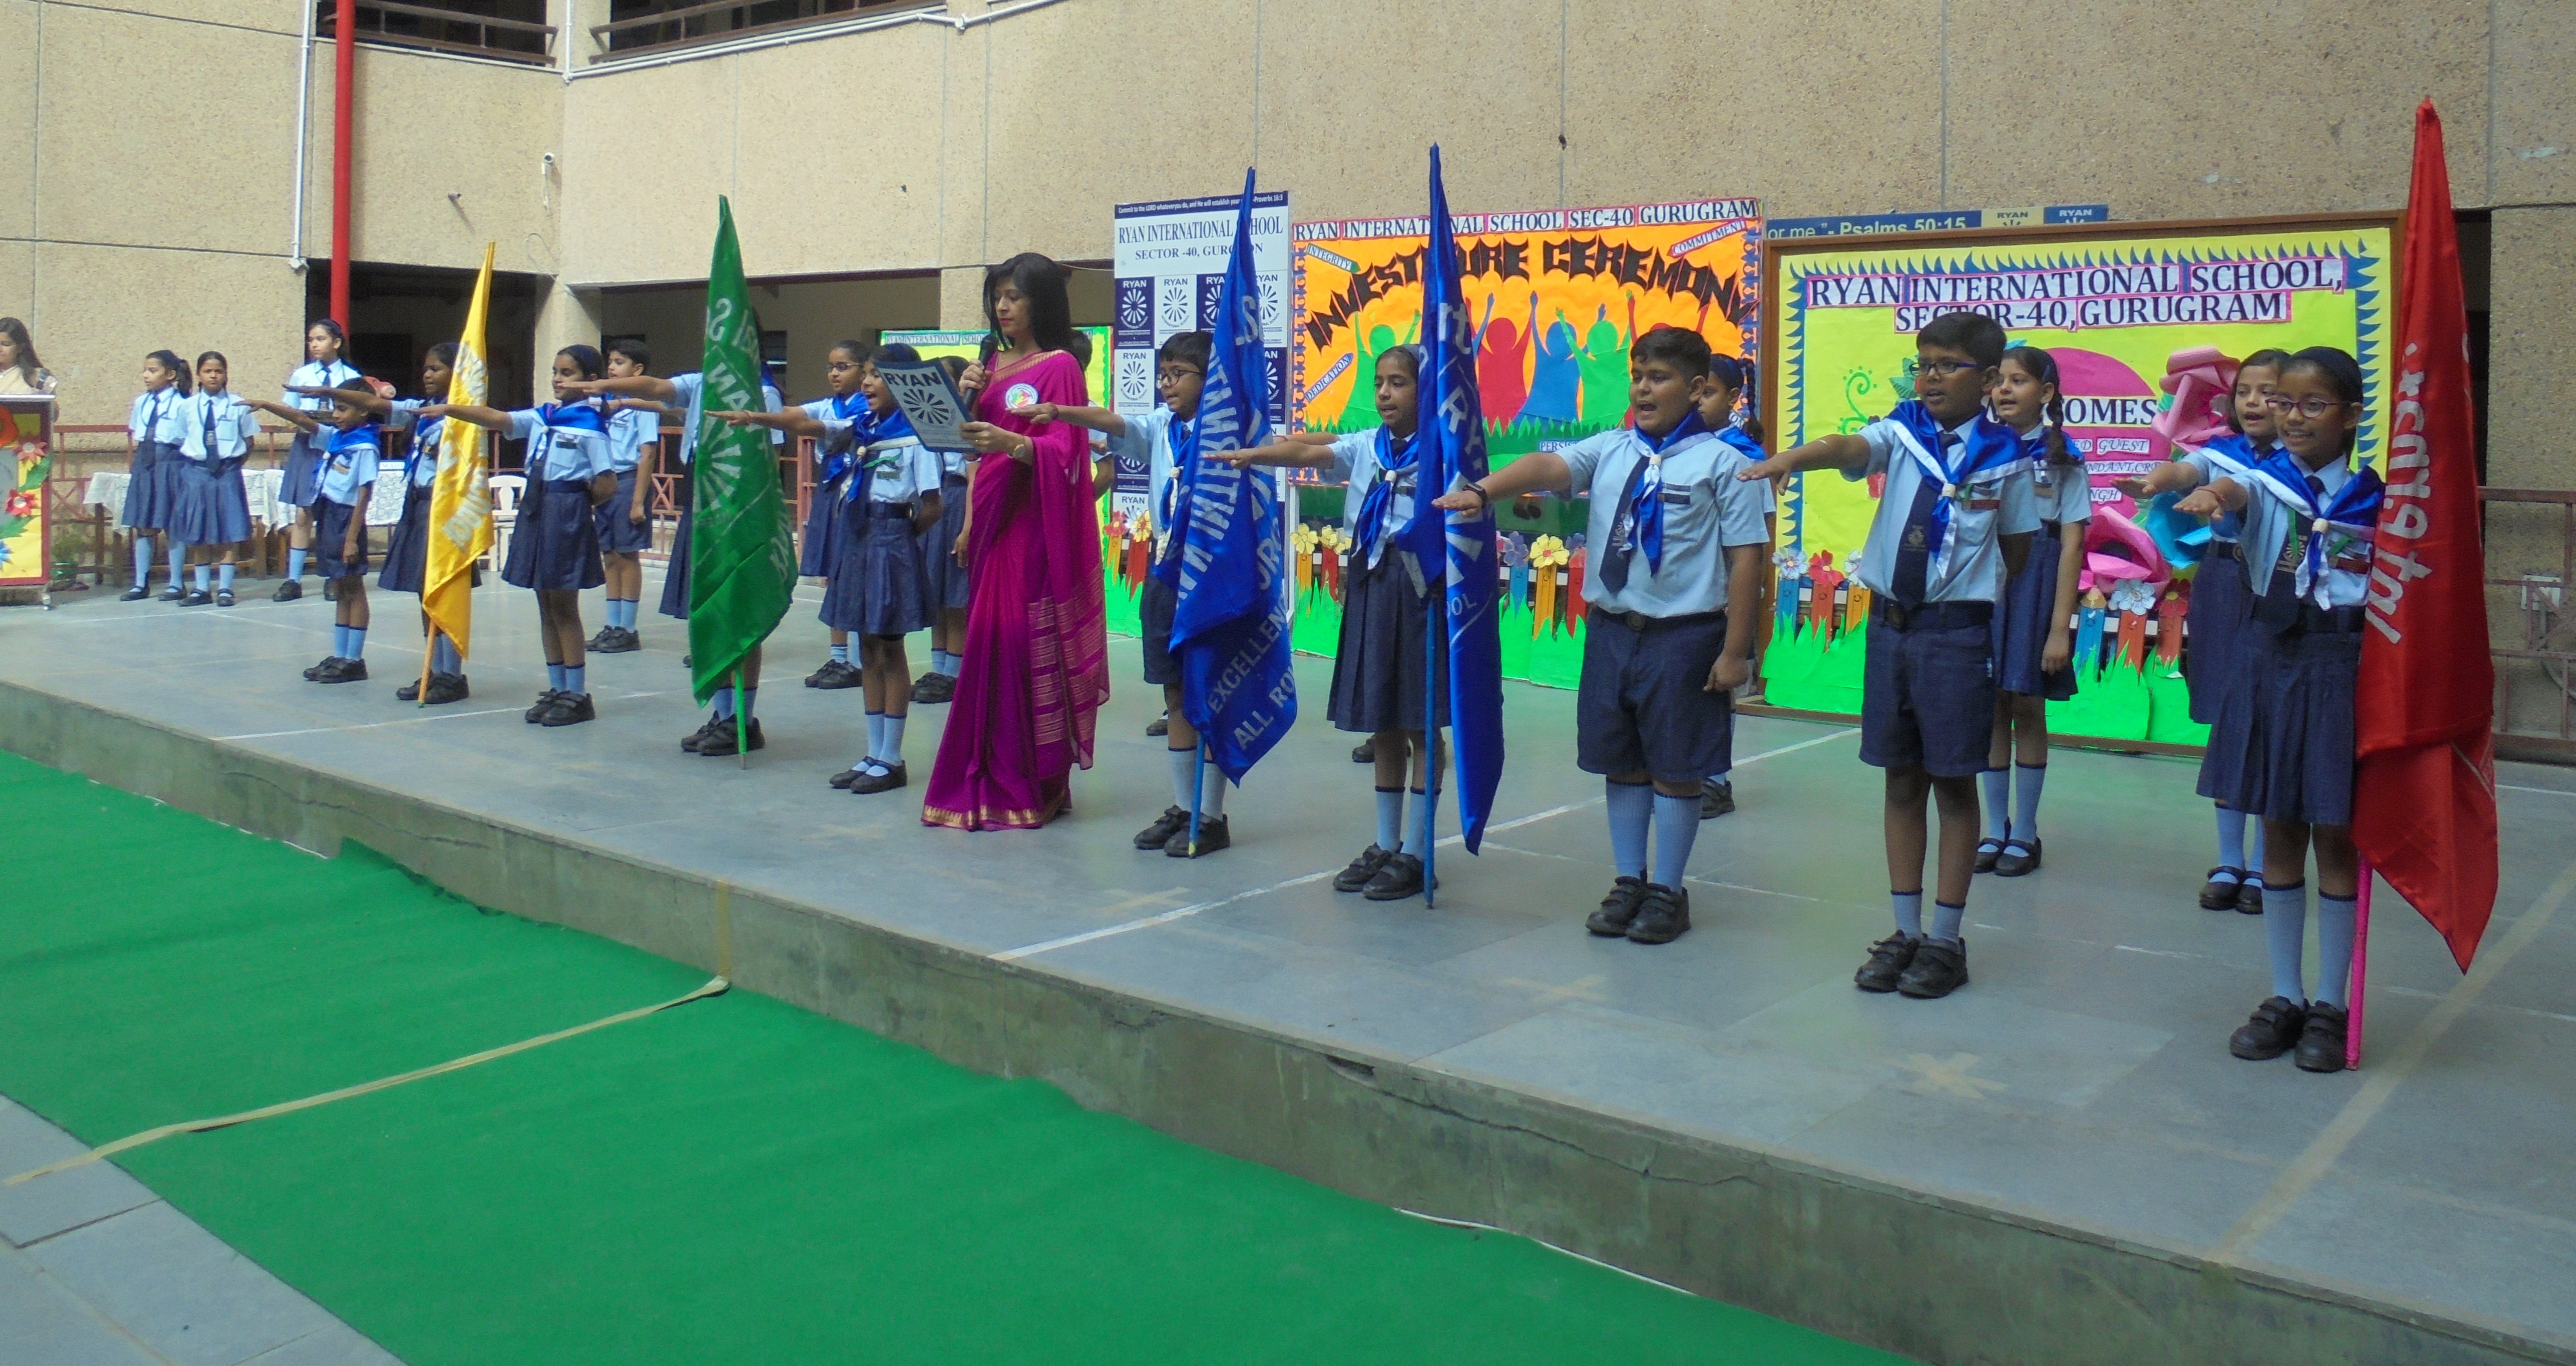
x=344, y=84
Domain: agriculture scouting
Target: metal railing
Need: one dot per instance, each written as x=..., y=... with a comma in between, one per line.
x=2535, y=672
x=675, y=26
x=446, y=28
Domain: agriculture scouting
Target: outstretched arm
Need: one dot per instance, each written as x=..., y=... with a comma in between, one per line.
x=366, y=400
x=303, y=421
x=630, y=386
x=1837, y=452
x=2173, y=476
x=1539, y=471
x=793, y=421
x=1099, y=420
x=491, y=419
x=1293, y=450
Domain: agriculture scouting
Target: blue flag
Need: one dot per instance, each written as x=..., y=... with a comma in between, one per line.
x=1452, y=445
x=1230, y=624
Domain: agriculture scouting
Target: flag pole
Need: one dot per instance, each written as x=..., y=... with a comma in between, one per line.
x=2360, y=968
x=741, y=720
x=428, y=652
x=1433, y=639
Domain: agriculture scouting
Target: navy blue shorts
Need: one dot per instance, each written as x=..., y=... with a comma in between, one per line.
x=1927, y=698
x=1644, y=701
x=1154, y=607
x=330, y=534
x=619, y=532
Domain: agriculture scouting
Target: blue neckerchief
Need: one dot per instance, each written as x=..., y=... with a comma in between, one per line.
x=870, y=429
x=1743, y=442
x=583, y=416
x=336, y=447
x=1372, y=531
x=853, y=409
x=2351, y=511
x=1645, y=512
x=1990, y=450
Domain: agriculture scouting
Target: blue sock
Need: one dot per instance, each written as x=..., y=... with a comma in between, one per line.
x=1676, y=825
x=626, y=610
x=1390, y=817
x=1946, y=920
x=576, y=679
x=2337, y=923
x=894, y=745
x=841, y=653
x=178, y=561
x=2254, y=856
x=876, y=735
x=224, y=576
x=444, y=659
x=339, y=641
x=142, y=560
x=724, y=703
x=295, y=562
x=1416, y=839
x=2027, y=781
x=357, y=643
x=750, y=697
x=1909, y=913
x=2231, y=838
x=204, y=571
x=1994, y=787
x=1632, y=811
x=2285, y=925
x=555, y=678
x=948, y=662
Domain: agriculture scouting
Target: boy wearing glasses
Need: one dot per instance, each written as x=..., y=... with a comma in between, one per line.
x=1180, y=368
x=1954, y=523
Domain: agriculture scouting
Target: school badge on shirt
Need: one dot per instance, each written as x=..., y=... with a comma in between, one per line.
x=1986, y=497
x=1020, y=395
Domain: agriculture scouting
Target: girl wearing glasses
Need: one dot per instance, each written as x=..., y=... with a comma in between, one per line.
x=2309, y=522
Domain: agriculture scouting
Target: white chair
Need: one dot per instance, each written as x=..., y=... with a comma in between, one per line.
x=505, y=489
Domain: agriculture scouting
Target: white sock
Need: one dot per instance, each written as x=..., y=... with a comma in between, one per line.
x=1184, y=765
x=1213, y=806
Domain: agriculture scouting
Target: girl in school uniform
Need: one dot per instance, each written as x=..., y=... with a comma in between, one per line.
x=554, y=548
x=1380, y=671
x=322, y=370
x=625, y=524
x=845, y=366
x=2034, y=653
x=157, y=425
x=2219, y=616
x=212, y=507
x=2286, y=738
x=945, y=577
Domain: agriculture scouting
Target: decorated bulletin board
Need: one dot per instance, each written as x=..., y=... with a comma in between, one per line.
x=1559, y=296
x=2112, y=303
x=25, y=456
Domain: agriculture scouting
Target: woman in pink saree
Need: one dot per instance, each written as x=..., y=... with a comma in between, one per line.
x=1036, y=664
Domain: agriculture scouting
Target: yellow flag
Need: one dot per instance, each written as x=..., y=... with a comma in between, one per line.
x=460, y=503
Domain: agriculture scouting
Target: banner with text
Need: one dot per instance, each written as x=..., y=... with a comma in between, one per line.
x=1169, y=260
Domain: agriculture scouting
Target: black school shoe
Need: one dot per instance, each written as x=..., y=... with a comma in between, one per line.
x=1888, y=960
x=2216, y=895
x=1158, y=834
x=1361, y=869
x=288, y=591
x=1212, y=837
x=1716, y=799
x=546, y=700
x=1159, y=726
x=314, y=674
x=615, y=640
x=1989, y=853
x=343, y=671
x=1619, y=909
x=570, y=709
x=2321, y=1043
x=1399, y=877
x=935, y=688
x=2274, y=1030
x=884, y=780
x=695, y=738
x=847, y=776
x=2018, y=859
x=446, y=688
x=135, y=594
x=726, y=740
x=1937, y=970
x=173, y=593
x=837, y=675
x=223, y=597
x=1365, y=752
x=409, y=692
x=2249, y=895
x=197, y=598
x=1663, y=915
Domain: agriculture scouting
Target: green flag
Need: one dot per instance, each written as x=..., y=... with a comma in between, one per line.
x=742, y=556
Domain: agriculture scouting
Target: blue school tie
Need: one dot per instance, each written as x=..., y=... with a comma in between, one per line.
x=1639, y=522
x=2278, y=608
x=1914, y=547
x=1614, y=562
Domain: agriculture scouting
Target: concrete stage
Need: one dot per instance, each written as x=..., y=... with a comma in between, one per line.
x=2061, y=1163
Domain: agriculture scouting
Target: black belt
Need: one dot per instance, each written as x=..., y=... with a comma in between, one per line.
x=891, y=509
x=2224, y=550
x=2050, y=529
x=2315, y=620
x=947, y=479
x=1929, y=616
x=1641, y=623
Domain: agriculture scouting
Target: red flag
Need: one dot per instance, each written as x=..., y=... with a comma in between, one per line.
x=2424, y=812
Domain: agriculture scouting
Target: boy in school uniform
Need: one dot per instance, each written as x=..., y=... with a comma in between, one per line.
x=344, y=479
x=1676, y=534
x=1954, y=523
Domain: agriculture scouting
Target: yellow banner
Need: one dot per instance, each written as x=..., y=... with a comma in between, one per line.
x=460, y=503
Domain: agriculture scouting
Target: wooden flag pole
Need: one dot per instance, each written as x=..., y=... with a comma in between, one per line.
x=2360, y=968
x=741, y=720
x=428, y=652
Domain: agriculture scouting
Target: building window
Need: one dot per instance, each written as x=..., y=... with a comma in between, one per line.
x=639, y=26
x=511, y=30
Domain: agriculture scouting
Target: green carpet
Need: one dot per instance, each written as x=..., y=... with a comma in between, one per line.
x=735, y=1180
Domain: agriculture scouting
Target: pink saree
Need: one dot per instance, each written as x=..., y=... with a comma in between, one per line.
x=1036, y=666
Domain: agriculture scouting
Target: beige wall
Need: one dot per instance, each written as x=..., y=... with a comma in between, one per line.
x=916, y=146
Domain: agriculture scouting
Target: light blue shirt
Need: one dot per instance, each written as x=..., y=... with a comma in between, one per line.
x=345, y=472
x=559, y=453
x=315, y=375
x=1355, y=464
x=1707, y=511
x=2270, y=522
x=899, y=471
x=630, y=431
x=425, y=439
x=693, y=394
x=232, y=424
x=1983, y=513
x=1149, y=439
x=160, y=415
x=2060, y=493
